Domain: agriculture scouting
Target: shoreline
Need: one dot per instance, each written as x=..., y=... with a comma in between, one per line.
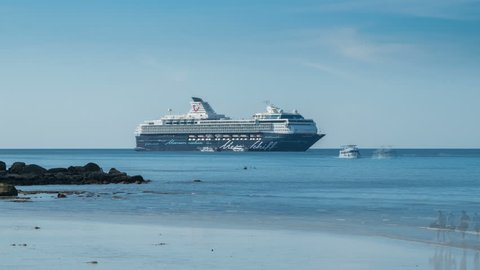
x=59, y=243
x=232, y=220
x=408, y=234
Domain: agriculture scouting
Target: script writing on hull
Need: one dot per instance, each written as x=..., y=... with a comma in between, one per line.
x=258, y=145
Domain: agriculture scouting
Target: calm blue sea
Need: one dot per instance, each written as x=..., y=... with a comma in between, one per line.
x=396, y=197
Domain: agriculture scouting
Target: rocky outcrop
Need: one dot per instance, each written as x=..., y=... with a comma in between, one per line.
x=57, y=170
x=3, y=166
x=8, y=190
x=33, y=169
x=114, y=171
x=25, y=175
x=92, y=167
x=17, y=167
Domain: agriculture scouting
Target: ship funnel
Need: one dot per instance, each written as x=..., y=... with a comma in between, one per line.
x=202, y=110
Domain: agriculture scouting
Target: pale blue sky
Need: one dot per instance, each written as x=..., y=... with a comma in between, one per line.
x=395, y=72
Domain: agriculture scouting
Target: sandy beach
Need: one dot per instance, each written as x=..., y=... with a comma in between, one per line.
x=73, y=243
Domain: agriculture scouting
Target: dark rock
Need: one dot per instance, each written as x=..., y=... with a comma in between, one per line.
x=61, y=195
x=99, y=176
x=60, y=176
x=34, y=169
x=57, y=170
x=75, y=179
x=197, y=181
x=17, y=179
x=138, y=179
x=8, y=190
x=91, y=173
x=120, y=179
x=76, y=169
x=92, y=167
x=114, y=171
x=3, y=166
x=37, y=228
x=17, y=167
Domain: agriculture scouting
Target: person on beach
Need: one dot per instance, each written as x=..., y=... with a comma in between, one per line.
x=441, y=221
x=476, y=223
x=442, y=225
x=450, y=224
x=464, y=223
x=451, y=221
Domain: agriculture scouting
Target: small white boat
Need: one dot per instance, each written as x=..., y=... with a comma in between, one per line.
x=207, y=149
x=383, y=153
x=349, y=151
x=239, y=148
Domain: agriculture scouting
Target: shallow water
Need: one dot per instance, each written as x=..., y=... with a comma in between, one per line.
x=397, y=197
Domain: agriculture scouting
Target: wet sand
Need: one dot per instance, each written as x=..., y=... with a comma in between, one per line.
x=73, y=243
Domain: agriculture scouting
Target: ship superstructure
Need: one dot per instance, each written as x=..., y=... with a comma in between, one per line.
x=273, y=130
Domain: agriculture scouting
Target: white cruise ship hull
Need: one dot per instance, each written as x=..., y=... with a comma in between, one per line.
x=227, y=142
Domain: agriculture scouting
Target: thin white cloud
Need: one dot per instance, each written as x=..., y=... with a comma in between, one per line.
x=325, y=68
x=350, y=44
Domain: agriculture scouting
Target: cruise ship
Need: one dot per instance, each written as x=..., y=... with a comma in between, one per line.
x=202, y=128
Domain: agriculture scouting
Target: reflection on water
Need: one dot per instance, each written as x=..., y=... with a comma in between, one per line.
x=456, y=232
x=445, y=258
x=476, y=261
x=463, y=231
